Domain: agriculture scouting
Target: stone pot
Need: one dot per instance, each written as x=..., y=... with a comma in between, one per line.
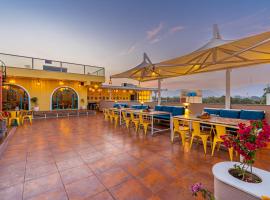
x=226, y=187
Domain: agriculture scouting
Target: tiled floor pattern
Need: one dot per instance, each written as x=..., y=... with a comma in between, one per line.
x=87, y=158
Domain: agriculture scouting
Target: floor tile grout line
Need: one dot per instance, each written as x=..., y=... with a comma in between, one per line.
x=60, y=177
x=25, y=172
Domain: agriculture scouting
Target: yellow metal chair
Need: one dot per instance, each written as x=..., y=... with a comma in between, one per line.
x=199, y=134
x=135, y=121
x=106, y=114
x=27, y=115
x=115, y=117
x=144, y=122
x=111, y=115
x=126, y=119
x=14, y=116
x=220, y=130
x=181, y=130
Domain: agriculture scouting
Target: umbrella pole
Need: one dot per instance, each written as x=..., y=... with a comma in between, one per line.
x=228, y=89
x=159, y=91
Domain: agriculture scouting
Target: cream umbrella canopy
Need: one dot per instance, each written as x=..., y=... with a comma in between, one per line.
x=219, y=54
x=145, y=71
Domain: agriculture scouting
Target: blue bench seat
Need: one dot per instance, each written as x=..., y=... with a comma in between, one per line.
x=140, y=107
x=174, y=110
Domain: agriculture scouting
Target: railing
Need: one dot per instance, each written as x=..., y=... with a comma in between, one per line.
x=50, y=65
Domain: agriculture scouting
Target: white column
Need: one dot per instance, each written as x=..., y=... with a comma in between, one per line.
x=110, y=92
x=159, y=91
x=228, y=89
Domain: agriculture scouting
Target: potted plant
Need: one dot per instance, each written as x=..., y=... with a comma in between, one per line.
x=200, y=192
x=240, y=180
x=83, y=104
x=34, y=102
x=247, y=141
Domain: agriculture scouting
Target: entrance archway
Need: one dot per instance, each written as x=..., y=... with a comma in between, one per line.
x=15, y=97
x=64, y=98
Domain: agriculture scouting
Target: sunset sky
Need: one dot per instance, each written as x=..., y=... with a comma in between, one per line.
x=115, y=34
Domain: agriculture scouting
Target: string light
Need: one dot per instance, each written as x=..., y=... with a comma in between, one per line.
x=38, y=83
x=12, y=81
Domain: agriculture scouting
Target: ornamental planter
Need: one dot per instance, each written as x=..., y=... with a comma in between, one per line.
x=227, y=187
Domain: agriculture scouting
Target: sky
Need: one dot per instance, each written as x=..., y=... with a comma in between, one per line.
x=115, y=33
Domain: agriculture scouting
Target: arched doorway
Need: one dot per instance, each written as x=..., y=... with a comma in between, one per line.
x=15, y=97
x=64, y=98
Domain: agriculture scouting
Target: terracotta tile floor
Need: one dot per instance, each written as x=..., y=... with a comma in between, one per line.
x=87, y=158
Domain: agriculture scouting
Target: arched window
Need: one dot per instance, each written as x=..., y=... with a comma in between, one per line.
x=15, y=97
x=64, y=98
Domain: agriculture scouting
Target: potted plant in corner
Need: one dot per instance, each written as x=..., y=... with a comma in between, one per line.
x=83, y=106
x=34, y=102
x=251, y=182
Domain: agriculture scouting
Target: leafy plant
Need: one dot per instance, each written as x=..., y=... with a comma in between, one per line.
x=247, y=141
x=34, y=101
x=198, y=188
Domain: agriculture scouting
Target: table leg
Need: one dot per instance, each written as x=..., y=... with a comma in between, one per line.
x=171, y=126
x=120, y=117
x=152, y=125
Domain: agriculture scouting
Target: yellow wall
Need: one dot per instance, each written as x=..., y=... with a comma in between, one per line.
x=44, y=91
x=118, y=95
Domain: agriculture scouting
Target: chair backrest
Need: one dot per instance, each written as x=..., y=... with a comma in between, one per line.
x=132, y=116
x=176, y=123
x=13, y=114
x=141, y=118
x=112, y=112
x=196, y=127
x=124, y=114
x=220, y=130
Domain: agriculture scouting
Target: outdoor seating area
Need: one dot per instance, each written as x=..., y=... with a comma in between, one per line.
x=71, y=158
x=132, y=100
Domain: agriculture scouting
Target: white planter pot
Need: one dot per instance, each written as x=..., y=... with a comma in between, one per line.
x=226, y=187
x=36, y=108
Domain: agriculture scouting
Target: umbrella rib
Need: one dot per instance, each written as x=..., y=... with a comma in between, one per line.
x=195, y=58
x=201, y=66
x=256, y=51
x=230, y=52
x=189, y=70
x=247, y=49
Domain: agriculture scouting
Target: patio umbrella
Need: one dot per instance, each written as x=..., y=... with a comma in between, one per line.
x=145, y=71
x=219, y=54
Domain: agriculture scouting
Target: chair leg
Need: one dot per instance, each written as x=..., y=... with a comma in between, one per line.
x=127, y=124
x=145, y=126
x=115, y=122
x=204, y=140
x=136, y=125
x=183, y=137
x=214, y=146
x=30, y=119
x=191, y=141
x=231, y=153
x=172, y=139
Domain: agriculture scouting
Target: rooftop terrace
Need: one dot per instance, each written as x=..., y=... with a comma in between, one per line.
x=87, y=158
x=25, y=62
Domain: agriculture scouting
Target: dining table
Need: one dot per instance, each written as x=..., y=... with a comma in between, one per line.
x=212, y=121
x=152, y=114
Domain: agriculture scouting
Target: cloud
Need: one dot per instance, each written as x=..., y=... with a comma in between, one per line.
x=131, y=49
x=153, y=33
x=176, y=29
x=155, y=40
x=157, y=34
